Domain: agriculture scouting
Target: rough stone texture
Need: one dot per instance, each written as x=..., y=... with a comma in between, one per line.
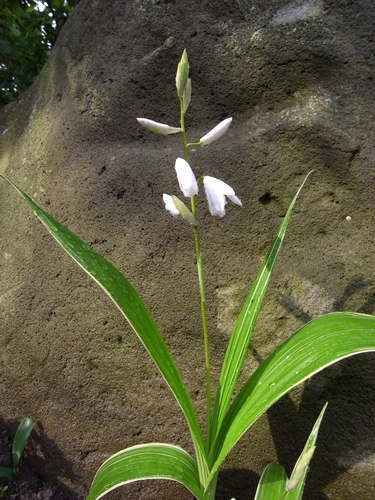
x=298, y=78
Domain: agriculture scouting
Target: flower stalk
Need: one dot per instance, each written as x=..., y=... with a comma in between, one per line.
x=199, y=258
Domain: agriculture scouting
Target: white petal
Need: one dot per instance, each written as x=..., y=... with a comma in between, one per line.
x=216, y=132
x=169, y=205
x=186, y=178
x=216, y=191
x=216, y=199
x=235, y=199
x=159, y=128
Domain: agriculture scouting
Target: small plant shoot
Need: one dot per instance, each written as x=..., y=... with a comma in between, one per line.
x=19, y=443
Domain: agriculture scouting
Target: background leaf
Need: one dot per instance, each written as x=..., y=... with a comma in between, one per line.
x=20, y=438
x=6, y=472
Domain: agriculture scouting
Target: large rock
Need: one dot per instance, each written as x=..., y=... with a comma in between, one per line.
x=298, y=80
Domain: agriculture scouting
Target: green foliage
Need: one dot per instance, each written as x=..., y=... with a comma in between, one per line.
x=274, y=483
x=19, y=442
x=3, y=490
x=318, y=344
x=147, y=461
x=27, y=35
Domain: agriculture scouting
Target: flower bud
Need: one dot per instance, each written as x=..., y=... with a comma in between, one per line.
x=216, y=193
x=216, y=132
x=299, y=469
x=159, y=128
x=182, y=74
x=186, y=178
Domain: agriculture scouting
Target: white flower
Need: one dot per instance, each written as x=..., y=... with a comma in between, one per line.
x=186, y=178
x=216, y=132
x=216, y=191
x=169, y=205
x=159, y=128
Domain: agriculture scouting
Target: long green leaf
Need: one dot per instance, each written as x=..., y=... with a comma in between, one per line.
x=244, y=327
x=297, y=493
x=320, y=343
x=127, y=300
x=147, y=461
x=271, y=483
x=20, y=438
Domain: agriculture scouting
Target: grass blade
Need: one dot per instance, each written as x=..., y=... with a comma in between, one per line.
x=318, y=344
x=20, y=438
x=244, y=327
x=271, y=483
x=147, y=461
x=127, y=300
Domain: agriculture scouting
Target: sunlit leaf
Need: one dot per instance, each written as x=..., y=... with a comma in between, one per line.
x=272, y=483
x=318, y=344
x=147, y=461
x=127, y=300
x=243, y=329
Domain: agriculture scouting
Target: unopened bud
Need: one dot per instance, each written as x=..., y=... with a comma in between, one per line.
x=182, y=74
x=159, y=128
x=299, y=469
x=216, y=132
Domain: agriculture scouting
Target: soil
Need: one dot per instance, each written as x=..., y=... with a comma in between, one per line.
x=31, y=485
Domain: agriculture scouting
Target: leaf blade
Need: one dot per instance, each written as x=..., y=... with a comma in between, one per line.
x=20, y=439
x=320, y=343
x=118, y=288
x=148, y=461
x=271, y=483
x=244, y=327
x=6, y=472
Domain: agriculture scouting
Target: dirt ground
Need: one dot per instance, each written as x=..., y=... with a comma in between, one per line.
x=31, y=485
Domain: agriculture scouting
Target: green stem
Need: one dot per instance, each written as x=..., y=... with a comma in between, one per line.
x=201, y=289
x=209, y=494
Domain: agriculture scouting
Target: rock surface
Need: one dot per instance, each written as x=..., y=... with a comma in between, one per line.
x=298, y=79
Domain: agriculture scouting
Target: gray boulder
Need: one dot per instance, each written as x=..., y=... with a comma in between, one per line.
x=298, y=79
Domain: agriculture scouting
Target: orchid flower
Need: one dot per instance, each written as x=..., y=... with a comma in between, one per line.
x=216, y=191
x=186, y=178
x=159, y=128
x=216, y=132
